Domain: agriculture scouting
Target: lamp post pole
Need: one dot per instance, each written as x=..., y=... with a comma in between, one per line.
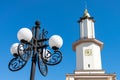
x=33, y=66
x=33, y=45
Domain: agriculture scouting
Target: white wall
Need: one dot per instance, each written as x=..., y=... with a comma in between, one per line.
x=87, y=29
x=82, y=61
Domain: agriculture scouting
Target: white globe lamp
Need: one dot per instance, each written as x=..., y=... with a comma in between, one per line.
x=55, y=42
x=24, y=34
x=13, y=49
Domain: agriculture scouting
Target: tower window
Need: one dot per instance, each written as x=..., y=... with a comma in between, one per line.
x=88, y=65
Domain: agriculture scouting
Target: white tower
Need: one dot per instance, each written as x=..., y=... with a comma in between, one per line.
x=86, y=26
x=88, y=53
x=88, y=56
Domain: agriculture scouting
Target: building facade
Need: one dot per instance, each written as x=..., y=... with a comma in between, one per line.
x=88, y=53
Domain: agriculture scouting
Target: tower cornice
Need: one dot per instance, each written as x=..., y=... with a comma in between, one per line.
x=83, y=18
x=99, y=43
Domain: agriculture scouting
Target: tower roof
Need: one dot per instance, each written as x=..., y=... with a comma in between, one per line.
x=86, y=14
x=99, y=43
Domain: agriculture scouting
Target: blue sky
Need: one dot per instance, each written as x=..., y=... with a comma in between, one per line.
x=59, y=17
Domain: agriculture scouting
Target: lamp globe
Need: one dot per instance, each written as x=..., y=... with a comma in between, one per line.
x=24, y=34
x=55, y=42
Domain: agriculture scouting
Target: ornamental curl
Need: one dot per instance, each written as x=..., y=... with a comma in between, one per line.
x=42, y=66
x=53, y=58
x=16, y=64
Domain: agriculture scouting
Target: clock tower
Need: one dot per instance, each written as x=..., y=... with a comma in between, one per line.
x=88, y=56
x=88, y=53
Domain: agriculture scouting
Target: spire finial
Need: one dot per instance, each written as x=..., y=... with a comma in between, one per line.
x=86, y=14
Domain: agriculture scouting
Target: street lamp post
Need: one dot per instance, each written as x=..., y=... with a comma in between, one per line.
x=34, y=45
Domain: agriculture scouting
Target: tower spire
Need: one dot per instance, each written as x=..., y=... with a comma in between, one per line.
x=86, y=14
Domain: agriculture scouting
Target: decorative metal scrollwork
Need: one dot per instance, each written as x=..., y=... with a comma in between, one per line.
x=42, y=66
x=24, y=51
x=52, y=59
x=16, y=64
x=44, y=32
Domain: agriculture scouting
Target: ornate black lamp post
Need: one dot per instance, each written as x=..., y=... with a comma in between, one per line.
x=34, y=45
